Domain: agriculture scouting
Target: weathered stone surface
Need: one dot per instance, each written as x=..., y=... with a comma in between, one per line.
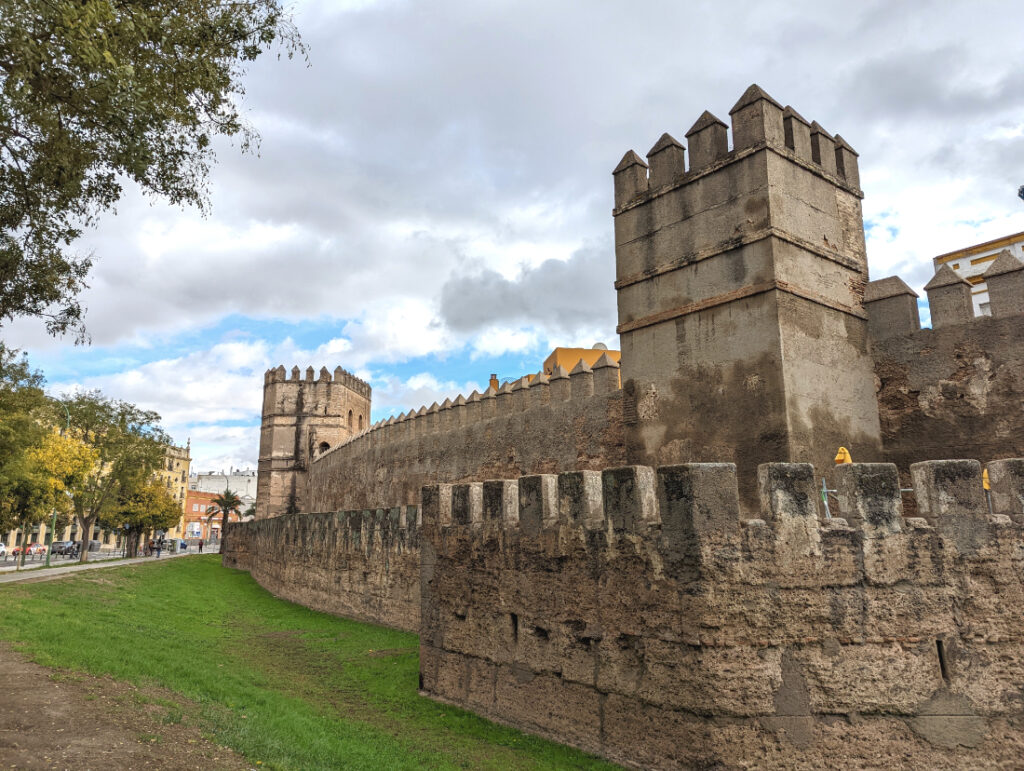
x=577, y=430
x=361, y=565
x=701, y=615
x=677, y=642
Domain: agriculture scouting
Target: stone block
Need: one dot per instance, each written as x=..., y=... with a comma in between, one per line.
x=708, y=140
x=501, y=501
x=789, y=504
x=949, y=298
x=667, y=161
x=699, y=508
x=1006, y=480
x=950, y=495
x=1005, y=281
x=437, y=505
x=630, y=502
x=538, y=502
x=467, y=503
x=756, y=120
x=630, y=179
x=891, y=306
x=869, y=497
x=580, y=500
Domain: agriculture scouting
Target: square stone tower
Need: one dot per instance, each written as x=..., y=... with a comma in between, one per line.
x=302, y=419
x=740, y=285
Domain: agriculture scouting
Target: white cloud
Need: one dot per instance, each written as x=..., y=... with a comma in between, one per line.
x=438, y=181
x=396, y=396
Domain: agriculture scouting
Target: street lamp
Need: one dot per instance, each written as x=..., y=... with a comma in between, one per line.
x=53, y=521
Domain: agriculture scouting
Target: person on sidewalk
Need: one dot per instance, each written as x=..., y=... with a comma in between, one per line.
x=159, y=547
x=200, y=545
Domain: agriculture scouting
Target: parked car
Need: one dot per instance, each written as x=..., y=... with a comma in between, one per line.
x=176, y=545
x=62, y=547
x=32, y=548
x=3, y=550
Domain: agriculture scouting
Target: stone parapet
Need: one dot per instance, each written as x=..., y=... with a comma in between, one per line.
x=636, y=613
x=951, y=392
x=358, y=564
x=565, y=422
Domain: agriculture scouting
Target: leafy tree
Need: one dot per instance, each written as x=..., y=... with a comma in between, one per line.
x=225, y=504
x=96, y=92
x=42, y=476
x=130, y=446
x=22, y=401
x=250, y=511
x=24, y=502
x=23, y=414
x=142, y=508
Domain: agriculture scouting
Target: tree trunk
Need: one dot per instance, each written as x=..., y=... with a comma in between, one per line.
x=223, y=530
x=86, y=523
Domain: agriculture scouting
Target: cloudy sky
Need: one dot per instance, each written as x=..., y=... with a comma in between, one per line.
x=431, y=200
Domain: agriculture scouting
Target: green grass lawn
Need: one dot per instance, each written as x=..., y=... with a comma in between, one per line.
x=284, y=685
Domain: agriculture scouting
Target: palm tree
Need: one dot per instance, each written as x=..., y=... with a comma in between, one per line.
x=225, y=504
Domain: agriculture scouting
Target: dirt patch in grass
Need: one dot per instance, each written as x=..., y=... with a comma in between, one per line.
x=62, y=720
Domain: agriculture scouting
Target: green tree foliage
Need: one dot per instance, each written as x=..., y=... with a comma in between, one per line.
x=129, y=444
x=22, y=403
x=143, y=508
x=225, y=504
x=97, y=92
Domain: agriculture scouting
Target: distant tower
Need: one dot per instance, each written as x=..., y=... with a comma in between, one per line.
x=740, y=287
x=302, y=419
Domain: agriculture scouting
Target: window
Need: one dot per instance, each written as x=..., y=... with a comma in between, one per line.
x=195, y=507
x=324, y=447
x=360, y=422
x=350, y=420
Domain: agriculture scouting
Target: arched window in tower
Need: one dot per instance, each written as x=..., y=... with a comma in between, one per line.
x=324, y=447
x=350, y=420
x=360, y=422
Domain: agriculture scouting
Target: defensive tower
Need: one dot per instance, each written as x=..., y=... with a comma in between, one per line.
x=302, y=419
x=740, y=283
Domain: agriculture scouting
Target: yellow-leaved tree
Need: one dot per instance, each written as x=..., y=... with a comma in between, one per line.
x=65, y=462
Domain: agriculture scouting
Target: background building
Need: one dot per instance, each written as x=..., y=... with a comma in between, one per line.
x=972, y=261
x=242, y=483
x=174, y=474
x=197, y=523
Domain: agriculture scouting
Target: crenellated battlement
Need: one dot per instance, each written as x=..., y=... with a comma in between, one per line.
x=758, y=121
x=340, y=376
x=691, y=512
x=892, y=310
x=303, y=416
x=635, y=612
x=740, y=281
x=517, y=396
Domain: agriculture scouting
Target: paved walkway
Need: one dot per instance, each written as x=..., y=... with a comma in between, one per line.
x=47, y=574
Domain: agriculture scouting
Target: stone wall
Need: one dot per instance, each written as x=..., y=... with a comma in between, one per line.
x=634, y=613
x=568, y=422
x=952, y=392
x=358, y=564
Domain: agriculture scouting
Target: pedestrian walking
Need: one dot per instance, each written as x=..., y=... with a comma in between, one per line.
x=200, y=545
x=159, y=547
